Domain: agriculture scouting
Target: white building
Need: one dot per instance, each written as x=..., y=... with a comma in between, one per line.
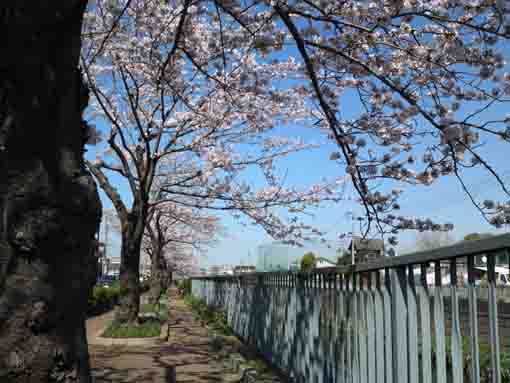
x=324, y=262
x=113, y=266
x=220, y=270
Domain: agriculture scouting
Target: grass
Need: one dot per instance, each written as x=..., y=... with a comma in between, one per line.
x=148, y=329
x=485, y=359
x=214, y=319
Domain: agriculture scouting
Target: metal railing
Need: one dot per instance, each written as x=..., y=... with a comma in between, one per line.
x=375, y=322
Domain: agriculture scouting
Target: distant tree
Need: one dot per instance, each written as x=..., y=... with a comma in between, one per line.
x=476, y=236
x=309, y=261
x=344, y=258
x=172, y=235
x=433, y=240
x=472, y=237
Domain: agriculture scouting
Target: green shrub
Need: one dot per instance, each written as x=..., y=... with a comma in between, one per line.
x=485, y=359
x=103, y=299
x=485, y=364
x=209, y=315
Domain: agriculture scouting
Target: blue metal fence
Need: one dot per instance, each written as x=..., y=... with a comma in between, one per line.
x=375, y=322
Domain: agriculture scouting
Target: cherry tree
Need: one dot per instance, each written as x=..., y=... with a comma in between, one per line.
x=206, y=185
x=428, y=79
x=49, y=203
x=173, y=238
x=178, y=89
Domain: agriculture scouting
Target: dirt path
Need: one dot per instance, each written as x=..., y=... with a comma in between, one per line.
x=185, y=357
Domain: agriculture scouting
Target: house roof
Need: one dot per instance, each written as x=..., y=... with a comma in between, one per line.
x=367, y=244
x=322, y=259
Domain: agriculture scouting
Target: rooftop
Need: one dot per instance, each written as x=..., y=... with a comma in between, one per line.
x=367, y=244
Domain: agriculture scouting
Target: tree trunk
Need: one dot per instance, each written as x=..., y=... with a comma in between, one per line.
x=159, y=277
x=129, y=302
x=49, y=206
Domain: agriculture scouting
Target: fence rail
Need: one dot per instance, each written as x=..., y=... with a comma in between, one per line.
x=374, y=322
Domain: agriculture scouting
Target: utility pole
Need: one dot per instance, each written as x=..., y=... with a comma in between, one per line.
x=352, y=250
x=350, y=213
x=352, y=239
x=106, y=232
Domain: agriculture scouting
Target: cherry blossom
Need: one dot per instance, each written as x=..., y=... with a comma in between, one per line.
x=189, y=107
x=426, y=75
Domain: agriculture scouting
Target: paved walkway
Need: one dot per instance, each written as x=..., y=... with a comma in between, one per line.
x=186, y=356
x=130, y=362
x=96, y=324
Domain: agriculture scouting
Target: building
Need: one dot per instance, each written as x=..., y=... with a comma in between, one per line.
x=101, y=257
x=113, y=266
x=243, y=269
x=220, y=270
x=366, y=250
x=324, y=262
x=295, y=265
x=277, y=256
x=201, y=272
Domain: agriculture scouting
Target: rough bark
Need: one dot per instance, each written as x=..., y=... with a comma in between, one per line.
x=156, y=243
x=155, y=284
x=49, y=206
x=159, y=277
x=129, y=301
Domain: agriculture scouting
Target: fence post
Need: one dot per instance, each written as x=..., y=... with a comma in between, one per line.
x=473, y=321
x=493, y=320
x=399, y=328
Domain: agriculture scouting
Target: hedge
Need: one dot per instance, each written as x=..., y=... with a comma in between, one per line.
x=103, y=299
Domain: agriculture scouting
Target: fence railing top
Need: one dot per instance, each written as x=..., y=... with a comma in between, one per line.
x=486, y=246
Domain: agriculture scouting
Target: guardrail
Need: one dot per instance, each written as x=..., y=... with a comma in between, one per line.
x=374, y=322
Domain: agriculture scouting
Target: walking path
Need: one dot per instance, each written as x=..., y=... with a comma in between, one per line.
x=186, y=357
